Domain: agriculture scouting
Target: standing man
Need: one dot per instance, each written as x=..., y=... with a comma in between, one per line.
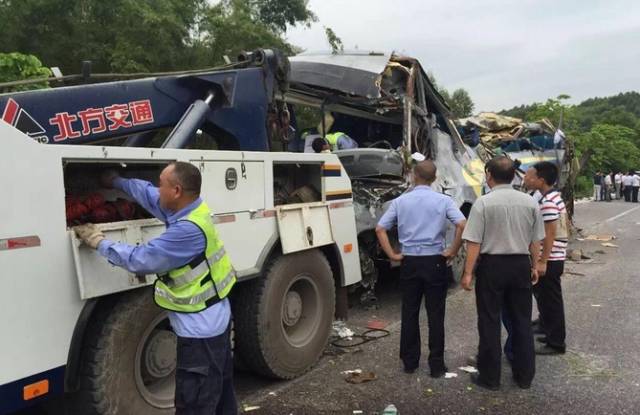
x=597, y=186
x=635, y=186
x=618, y=183
x=608, y=186
x=195, y=277
x=550, y=266
x=504, y=230
x=422, y=216
x=627, y=183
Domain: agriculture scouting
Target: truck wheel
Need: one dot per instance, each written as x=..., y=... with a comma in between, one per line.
x=129, y=359
x=283, y=319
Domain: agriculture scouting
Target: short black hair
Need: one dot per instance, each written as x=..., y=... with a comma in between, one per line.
x=502, y=169
x=547, y=171
x=318, y=144
x=188, y=176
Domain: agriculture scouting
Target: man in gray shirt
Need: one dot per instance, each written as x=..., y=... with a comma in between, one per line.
x=503, y=236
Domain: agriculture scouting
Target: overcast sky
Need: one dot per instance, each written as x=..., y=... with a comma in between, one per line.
x=504, y=53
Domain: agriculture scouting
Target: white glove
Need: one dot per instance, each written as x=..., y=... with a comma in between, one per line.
x=89, y=234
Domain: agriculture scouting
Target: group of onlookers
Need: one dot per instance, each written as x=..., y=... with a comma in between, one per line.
x=614, y=186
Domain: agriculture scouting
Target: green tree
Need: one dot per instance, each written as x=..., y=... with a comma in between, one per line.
x=334, y=41
x=144, y=35
x=17, y=67
x=461, y=103
x=610, y=148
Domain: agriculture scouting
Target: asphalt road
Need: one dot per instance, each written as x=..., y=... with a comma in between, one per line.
x=599, y=374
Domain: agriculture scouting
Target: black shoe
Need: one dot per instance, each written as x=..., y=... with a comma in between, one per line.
x=548, y=350
x=438, y=373
x=521, y=385
x=542, y=340
x=410, y=370
x=475, y=379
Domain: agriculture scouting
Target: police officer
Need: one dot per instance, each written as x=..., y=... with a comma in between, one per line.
x=504, y=229
x=422, y=216
x=195, y=277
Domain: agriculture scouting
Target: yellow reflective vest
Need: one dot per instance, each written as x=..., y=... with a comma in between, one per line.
x=206, y=280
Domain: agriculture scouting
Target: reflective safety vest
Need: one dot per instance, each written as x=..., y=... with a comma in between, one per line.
x=204, y=281
x=333, y=140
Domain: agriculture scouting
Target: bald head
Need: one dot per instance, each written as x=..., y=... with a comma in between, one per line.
x=425, y=172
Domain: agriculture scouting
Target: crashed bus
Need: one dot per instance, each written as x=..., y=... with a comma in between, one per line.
x=387, y=104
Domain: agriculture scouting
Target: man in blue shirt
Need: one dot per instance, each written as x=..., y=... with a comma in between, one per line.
x=204, y=375
x=422, y=216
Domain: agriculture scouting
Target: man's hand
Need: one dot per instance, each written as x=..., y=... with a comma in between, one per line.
x=107, y=177
x=396, y=257
x=534, y=276
x=541, y=267
x=465, y=282
x=89, y=234
x=449, y=254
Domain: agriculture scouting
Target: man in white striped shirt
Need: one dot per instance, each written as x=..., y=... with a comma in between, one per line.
x=548, y=291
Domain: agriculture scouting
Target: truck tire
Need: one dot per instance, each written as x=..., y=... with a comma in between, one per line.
x=283, y=319
x=128, y=360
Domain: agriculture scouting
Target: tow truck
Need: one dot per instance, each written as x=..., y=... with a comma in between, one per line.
x=75, y=325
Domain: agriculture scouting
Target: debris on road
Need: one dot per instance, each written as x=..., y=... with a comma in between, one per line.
x=579, y=274
x=468, y=369
x=609, y=245
x=596, y=305
x=390, y=410
x=601, y=238
x=360, y=377
x=341, y=330
x=248, y=408
x=576, y=255
x=349, y=372
x=357, y=411
x=377, y=324
x=450, y=375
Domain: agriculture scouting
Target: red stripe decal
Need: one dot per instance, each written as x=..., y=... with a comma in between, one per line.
x=19, y=242
x=224, y=219
x=10, y=111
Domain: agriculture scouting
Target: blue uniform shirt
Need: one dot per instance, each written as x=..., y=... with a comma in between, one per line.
x=421, y=215
x=177, y=246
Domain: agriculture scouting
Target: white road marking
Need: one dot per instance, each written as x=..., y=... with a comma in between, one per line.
x=611, y=219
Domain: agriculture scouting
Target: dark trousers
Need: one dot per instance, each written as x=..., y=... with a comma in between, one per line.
x=508, y=325
x=504, y=281
x=204, y=376
x=548, y=293
x=423, y=276
x=627, y=193
x=634, y=194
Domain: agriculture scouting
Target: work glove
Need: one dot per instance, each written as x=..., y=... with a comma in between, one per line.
x=89, y=234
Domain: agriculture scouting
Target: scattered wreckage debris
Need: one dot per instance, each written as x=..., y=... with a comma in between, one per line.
x=358, y=376
x=609, y=245
x=468, y=369
x=502, y=133
x=360, y=339
x=595, y=237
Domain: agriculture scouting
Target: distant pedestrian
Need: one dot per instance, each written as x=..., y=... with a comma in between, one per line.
x=635, y=186
x=627, y=185
x=618, y=184
x=503, y=232
x=597, y=186
x=607, y=186
x=422, y=216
